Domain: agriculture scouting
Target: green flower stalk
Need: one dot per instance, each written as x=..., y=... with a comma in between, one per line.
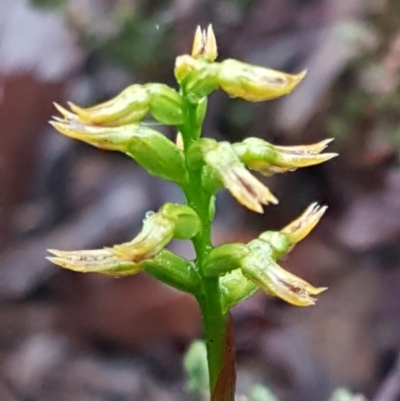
x=220, y=277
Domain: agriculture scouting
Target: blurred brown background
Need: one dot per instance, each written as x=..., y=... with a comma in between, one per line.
x=65, y=336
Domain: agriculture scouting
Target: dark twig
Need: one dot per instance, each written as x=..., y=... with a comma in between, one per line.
x=390, y=389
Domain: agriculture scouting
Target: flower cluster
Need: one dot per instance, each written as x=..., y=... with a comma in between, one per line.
x=119, y=125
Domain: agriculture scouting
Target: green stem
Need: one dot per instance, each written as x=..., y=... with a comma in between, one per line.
x=214, y=319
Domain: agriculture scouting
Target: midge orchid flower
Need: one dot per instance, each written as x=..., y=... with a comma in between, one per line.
x=218, y=277
x=257, y=262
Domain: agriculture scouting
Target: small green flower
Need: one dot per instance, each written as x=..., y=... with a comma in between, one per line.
x=262, y=270
x=253, y=83
x=131, y=106
x=260, y=155
x=237, y=264
x=248, y=82
x=151, y=149
x=222, y=163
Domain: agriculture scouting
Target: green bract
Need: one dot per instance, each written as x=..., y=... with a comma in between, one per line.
x=218, y=277
x=158, y=155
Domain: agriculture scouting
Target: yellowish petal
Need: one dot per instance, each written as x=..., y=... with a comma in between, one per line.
x=205, y=44
x=302, y=226
x=254, y=83
x=93, y=261
x=276, y=281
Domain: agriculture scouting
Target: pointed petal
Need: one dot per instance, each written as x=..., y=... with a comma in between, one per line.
x=274, y=280
x=248, y=190
x=204, y=44
x=302, y=226
x=93, y=261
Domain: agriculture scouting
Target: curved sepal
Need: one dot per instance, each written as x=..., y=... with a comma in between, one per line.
x=129, y=106
x=102, y=261
x=262, y=270
x=172, y=221
x=299, y=228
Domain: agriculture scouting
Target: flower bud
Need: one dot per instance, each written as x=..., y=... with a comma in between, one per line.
x=172, y=221
x=261, y=269
x=152, y=150
x=268, y=159
x=205, y=44
x=253, y=83
x=186, y=221
x=175, y=271
x=221, y=159
x=235, y=288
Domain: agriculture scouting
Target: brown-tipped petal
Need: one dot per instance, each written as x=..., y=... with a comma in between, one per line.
x=274, y=280
x=108, y=138
x=93, y=261
x=247, y=190
x=226, y=166
x=291, y=288
x=204, y=44
x=302, y=226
